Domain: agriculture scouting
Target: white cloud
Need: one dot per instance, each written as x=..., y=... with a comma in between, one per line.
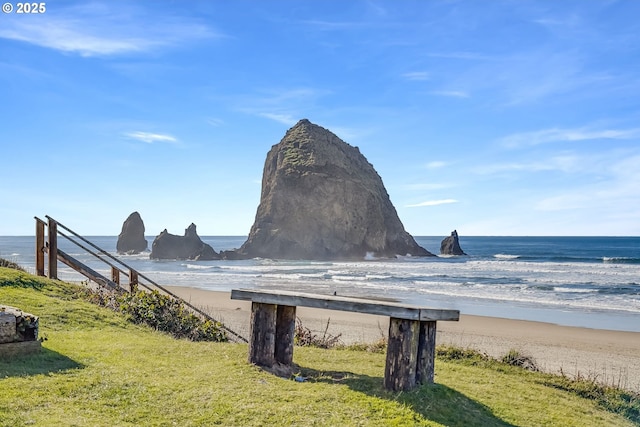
x=432, y=203
x=346, y=25
x=566, y=201
x=215, y=122
x=570, y=135
x=100, y=31
x=416, y=75
x=426, y=187
x=69, y=37
x=437, y=164
x=150, y=138
x=608, y=206
x=286, y=119
x=451, y=93
x=473, y=56
x=563, y=163
x=285, y=106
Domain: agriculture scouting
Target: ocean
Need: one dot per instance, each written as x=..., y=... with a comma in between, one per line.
x=591, y=282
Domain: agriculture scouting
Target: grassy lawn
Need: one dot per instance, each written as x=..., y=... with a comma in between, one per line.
x=97, y=369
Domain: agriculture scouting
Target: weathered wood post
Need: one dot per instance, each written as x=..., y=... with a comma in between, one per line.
x=402, y=354
x=53, y=249
x=285, y=333
x=133, y=281
x=262, y=344
x=426, y=353
x=115, y=275
x=40, y=247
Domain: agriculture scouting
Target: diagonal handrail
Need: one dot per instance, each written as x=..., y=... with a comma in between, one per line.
x=124, y=268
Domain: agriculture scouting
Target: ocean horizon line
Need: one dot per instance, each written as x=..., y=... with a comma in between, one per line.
x=461, y=236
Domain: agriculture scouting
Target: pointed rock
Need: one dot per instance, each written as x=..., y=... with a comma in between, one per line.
x=131, y=239
x=451, y=245
x=322, y=199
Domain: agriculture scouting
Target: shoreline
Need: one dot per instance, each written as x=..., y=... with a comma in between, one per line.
x=611, y=357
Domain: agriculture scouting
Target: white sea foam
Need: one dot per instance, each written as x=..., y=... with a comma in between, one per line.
x=574, y=290
x=369, y=256
x=506, y=256
x=199, y=266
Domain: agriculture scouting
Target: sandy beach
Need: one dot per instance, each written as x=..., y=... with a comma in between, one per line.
x=610, y=356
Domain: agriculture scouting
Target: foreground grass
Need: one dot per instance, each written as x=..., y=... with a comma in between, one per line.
x=96, y=369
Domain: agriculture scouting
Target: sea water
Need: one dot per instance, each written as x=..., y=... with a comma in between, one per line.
x=576, y=281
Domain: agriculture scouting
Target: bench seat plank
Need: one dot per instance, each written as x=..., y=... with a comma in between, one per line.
x=332, y=302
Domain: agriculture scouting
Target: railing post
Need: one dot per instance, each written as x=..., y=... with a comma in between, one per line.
x=115, y=275
x=53, y=249
x=133, y=281
x=40, y=247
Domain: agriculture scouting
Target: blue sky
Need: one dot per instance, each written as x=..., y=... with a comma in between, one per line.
x=489, y=117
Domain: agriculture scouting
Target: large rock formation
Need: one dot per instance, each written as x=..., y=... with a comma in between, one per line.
x=451, y=245
x=322, y=199
x=189, y=246
x=131, y=239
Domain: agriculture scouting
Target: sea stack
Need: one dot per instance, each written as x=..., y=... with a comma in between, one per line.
x=189, y=246
x=451, y=245
x=131, y=239
x=322, y=199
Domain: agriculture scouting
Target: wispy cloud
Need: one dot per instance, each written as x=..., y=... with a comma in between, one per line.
x=98, y=30
x=473, y=56
x=215, y=122
x=416, y=75
x=564, y=163
x=325, y=25
x=286, y=119
x=618, y=185
x=451, y=93
x=151, y=138
x=531, y=77
x=335, y=25
x=436, y=164
x=426, y=186
x=285, y=106
x=432, y=203
x=565, y=135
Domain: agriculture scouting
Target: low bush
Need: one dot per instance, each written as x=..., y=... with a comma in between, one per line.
x=515, y=358
x=161, y=312
x=467, y=355
x=305, y=337
x=10, y=264
x=379, y=346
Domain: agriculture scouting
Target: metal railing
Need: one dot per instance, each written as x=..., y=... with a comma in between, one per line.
x=47, y=243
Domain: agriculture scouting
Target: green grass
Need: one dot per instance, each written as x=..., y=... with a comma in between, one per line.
x=97, y=369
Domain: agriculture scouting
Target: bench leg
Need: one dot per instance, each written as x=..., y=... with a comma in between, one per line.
x=285, y=333
x=263, y=334
x=402, y=354
x=426, y=353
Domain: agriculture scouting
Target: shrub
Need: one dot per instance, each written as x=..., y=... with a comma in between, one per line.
x=379, y=346
x=452, y=353
x=515, y=358
x=305, y=337
x=10, y=264
x=167, y=314
x=161, y=312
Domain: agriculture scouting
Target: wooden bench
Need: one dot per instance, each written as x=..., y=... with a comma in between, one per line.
x=412, y=331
